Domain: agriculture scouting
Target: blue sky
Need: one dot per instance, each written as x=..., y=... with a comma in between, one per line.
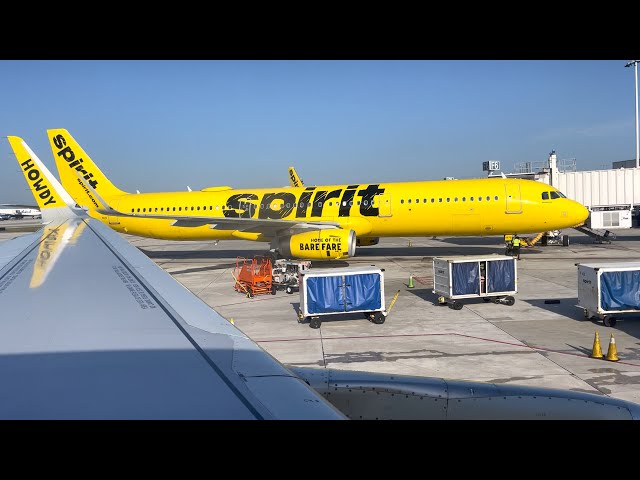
x=163, y=125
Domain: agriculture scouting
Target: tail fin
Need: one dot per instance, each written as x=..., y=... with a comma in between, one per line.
x=71, y=159
x=54, y=202
x=294, y=179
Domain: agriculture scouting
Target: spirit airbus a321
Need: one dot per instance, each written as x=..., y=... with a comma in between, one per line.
x=316, y=222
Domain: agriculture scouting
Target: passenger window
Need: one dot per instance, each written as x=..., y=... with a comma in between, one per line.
x=433, y=200
x=417, y=200
x=545, y=195
x=496, y=197
x=351, y=203
x=440, y=200
x=464, y=199
x=488, y=198
x=409, y=201
x=471, y=199
x=198, y=208
x=455, y=199
x=174, y=209
x=402, y=201
x=179, y=209
x=479, y=199
x=448, y=199
x=144, y=209
x=132, y=210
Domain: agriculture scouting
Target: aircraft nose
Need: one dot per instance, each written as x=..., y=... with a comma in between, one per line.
x=578, y=213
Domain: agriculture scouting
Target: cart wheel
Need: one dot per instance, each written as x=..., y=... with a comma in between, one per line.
x=486, y=299
x=289, y=290
x=509, y=300
x=273, y=289
x=455, y=305
x=314, y=322
x=301, y=319
x=378, y=318
x=249, y=292
x=609, y=321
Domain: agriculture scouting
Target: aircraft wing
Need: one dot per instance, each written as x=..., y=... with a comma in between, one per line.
x=110, y=335
x=91, y=328
x=268, y=227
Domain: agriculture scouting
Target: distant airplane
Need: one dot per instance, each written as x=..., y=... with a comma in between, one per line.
x=294, y=179
x=94, y=329
x=8, y=210
x=317, y=222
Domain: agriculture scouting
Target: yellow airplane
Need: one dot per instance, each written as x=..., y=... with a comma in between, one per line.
x=317, y=222
x=294, y=178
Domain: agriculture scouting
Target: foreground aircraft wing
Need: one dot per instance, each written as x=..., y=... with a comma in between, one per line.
x=91, y=328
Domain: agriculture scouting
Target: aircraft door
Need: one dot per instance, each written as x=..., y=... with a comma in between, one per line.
x=514, y=200
x=114, y=220
x=383, y=202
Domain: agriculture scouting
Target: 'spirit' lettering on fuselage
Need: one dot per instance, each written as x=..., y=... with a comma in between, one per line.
x=278, y=205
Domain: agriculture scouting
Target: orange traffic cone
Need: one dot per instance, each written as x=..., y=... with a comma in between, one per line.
x=612, y=353
x=597, y=351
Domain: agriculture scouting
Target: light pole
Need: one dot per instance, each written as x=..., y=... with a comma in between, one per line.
x=635, y=64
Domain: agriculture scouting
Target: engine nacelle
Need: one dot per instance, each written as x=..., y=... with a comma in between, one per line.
x=319, y=244
x=367, y=241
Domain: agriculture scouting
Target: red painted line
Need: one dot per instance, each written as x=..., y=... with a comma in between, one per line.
x=437, y=335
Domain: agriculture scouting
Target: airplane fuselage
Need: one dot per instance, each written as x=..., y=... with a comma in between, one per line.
x=473, y=207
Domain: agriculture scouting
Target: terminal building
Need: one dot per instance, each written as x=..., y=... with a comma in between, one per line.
x=611, y=195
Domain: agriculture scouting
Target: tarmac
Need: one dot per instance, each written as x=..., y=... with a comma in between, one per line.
x=542, y=340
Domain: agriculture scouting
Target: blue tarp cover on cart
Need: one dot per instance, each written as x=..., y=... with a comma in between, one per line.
x=501, y=277
x=620, y=290
x=344, y=293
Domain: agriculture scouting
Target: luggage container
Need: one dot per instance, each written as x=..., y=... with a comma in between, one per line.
x=609, y=290
x=490, y=277
x=333, y=291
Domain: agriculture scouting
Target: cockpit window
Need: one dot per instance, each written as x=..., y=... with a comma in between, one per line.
x=545, y=195
x=554, y=194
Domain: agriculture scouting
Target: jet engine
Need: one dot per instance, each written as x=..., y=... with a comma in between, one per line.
x=319, y=244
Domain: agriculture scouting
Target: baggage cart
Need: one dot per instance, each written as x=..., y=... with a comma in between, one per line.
x=334, y=291
x=490, y=277
x=609, y=290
